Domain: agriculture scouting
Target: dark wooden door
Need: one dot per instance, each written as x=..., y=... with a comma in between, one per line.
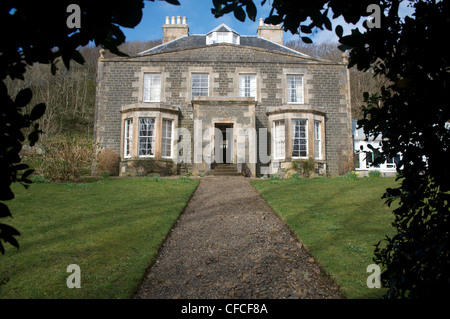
x=223, y=147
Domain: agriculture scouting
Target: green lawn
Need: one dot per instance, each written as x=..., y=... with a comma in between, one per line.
x=339, y=220
x=111, y=228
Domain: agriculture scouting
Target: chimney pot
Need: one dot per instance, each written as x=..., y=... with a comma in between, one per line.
x=272, y=33
x=173, y=29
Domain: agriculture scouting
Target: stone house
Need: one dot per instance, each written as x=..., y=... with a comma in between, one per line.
x=198, y=101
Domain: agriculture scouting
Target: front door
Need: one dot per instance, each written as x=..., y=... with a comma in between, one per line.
x=223, y=143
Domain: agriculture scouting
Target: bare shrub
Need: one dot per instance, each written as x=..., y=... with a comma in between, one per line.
x=108, y=161
x=345, y=162
x=65, y=158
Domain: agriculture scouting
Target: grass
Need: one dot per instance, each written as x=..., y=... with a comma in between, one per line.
x=340, y=220
x=111, y=228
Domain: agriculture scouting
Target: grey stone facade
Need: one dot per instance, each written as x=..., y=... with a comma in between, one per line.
x=325, y=100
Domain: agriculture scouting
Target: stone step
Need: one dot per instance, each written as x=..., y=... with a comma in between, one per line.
x=225, y=170
x=223, y=166
x=225, y=173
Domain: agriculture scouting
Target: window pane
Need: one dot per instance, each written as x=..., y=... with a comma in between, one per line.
x=299, y=138
x=317, y=140
x=167, y=138
x=200, y=85
x=128, y=137
x=294, y=88
x=222, y=37
x=146, y=136
x=316, y=149
x=152, y=87
x=279, y=140
x=247, y=85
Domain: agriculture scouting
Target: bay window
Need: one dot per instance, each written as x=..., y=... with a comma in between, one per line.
x=146, y=147
x=128, y=138
x=299, y=138
x=279, y=139
x=317, y=140
x=166, y=148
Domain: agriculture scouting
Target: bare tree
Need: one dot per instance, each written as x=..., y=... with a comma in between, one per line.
x=70, y=94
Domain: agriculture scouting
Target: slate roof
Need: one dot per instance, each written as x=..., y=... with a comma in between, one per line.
x=199, y=40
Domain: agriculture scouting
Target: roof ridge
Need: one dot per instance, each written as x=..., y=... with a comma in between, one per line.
x=285, y=47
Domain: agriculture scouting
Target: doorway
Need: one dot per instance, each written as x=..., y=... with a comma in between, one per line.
x=223, y=148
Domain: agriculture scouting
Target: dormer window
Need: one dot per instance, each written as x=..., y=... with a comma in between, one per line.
x=223, y=37
x=223, y=34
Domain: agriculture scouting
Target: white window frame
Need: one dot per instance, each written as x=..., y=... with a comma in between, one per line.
x=152, y=87
x=223, y=37
x=166, y=139
x=294, y=89
x=128, y=138
x=317, y=140
x=294, y=138
x=390, y=162
x=201, y=87
x=279, y=140
x=150, y=139
x=247, y=85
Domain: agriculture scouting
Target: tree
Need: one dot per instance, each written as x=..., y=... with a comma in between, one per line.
x=410, y=113
x=69, y=95
x=46, y=34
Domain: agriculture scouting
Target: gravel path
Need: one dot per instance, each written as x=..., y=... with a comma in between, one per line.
x=228, y=243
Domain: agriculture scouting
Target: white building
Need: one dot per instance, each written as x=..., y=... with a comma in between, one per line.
x=365, y=156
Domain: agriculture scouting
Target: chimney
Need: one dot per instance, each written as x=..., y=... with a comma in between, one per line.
x=174, y=28
x=270, y=32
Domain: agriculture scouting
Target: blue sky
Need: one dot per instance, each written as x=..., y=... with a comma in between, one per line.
x=201, y=21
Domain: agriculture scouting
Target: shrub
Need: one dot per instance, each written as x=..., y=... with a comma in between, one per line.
x=374, y=174
x=65, y=158
x=108, y=161
x=305, y=167
x=345, y=161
